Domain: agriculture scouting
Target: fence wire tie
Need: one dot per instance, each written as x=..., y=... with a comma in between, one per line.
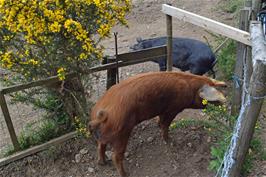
x=258, y=97
x=237, y=80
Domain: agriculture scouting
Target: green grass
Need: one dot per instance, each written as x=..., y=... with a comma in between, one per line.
x=232, y=6
x=31, y=136
x=185, y=123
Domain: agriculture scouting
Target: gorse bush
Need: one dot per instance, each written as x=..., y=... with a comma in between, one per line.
x=44, y=38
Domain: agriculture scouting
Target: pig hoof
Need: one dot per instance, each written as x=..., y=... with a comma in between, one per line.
x=101, y=162
x=124, y=174
x=167, y=140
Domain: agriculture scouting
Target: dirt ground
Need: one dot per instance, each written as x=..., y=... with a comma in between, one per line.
x=147, y=156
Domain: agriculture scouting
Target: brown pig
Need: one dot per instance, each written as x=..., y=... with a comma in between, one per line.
x=143, y=97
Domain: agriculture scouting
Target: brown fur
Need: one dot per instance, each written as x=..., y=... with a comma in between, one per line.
x=139, y=98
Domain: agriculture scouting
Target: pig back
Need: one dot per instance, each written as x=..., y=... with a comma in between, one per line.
x=145, y=96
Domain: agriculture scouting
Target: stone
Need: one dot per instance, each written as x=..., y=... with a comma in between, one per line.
x=150, y=139
x=126, y=154
x=189, y=145
x=77, y=158
x=83, y=151
x=91, y=170
x=108, y=154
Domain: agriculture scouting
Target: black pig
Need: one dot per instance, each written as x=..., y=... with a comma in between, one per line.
x=188, y=54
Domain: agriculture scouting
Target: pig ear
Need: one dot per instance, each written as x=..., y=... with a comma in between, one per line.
x=139, y=39
x=219, y=83
x=102, y=116
x=211, y=94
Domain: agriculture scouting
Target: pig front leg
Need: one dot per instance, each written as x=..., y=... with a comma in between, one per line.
x=164, y=123
x=101, y=153
x=119, y=148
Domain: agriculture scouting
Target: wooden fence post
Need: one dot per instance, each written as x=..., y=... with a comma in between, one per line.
x=9, y=123
x=257, y=92
x=241, y=56
x=256, y=5
x=111, y=74
x=169, y=25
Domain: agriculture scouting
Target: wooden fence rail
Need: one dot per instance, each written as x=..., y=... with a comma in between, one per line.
x=209, y=24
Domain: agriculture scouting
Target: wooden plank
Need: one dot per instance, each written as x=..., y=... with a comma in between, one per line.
x=208, y=24
x=259, y=42
x=239, y=65
x=47, y=81
x=9, y=123
x=35, y=149
x=169, y=25
x=111, y=73
x=120, y=64
x=142, y=54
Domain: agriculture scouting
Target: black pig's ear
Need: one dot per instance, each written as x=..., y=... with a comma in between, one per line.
x=139, y=39
x=211, y=94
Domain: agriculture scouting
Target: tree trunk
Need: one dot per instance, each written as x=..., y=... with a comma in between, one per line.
x=74, y=99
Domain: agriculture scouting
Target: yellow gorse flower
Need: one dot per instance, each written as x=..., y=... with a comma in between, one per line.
x=81, y=128
x=61, y=73
x=204, y=102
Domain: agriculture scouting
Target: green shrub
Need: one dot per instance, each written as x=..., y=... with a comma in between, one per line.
x=226, y=59
x=223, y=132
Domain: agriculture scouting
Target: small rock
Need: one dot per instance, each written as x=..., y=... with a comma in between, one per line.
x=108, y=154
x=77, y=158
x=91, y=158
x=91, y=170
x=209, y=139
x=130, y=161
x=150, y=139
x=175, y=167
x=189, y=145
x=126, y=154
x=137, y=165
x=30, y=159
x=83, y=151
